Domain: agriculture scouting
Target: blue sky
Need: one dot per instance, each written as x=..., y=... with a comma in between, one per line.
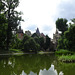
x=44, y=13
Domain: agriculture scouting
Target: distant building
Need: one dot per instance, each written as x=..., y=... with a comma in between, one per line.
x=38, y=32
x=42, y=35
x=56, y=36
x=20, y=33
x=28, y=33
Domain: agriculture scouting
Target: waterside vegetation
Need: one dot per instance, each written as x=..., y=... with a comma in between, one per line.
x=66, y=56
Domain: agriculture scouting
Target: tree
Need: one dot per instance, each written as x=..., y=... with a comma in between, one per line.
x=34, y=35
x=61, y=43
x=70, y=38
x=1, y=6
x=28, y=43
x=73, y=20
x=61, y=25
x=41, y=42
x=12, y=17
x=3, y=28
x=47, y=43
x=16, y=43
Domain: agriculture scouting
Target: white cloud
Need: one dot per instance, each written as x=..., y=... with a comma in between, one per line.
x=42, y=14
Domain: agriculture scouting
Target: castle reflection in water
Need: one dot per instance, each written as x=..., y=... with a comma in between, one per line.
x=51, y=71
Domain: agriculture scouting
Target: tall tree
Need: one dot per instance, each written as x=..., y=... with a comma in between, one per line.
x=12, y=17
x=73, y=20
x=3, y=27
x=70, y=38
x=41, y=42
x=47, y=43
x=1, y=6
x=61, y=25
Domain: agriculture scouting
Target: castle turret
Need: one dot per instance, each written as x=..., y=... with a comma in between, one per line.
x=20, y=33
x=38, y=32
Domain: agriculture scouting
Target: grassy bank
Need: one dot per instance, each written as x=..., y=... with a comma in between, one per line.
x=10, y=51
x=63, y=52
x=65, y=56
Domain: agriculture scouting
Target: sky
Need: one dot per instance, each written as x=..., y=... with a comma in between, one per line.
x=44, y=13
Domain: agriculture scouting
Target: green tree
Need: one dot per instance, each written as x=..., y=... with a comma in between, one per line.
x=41, y=42
x=73, y=20
x=16, y=43
x=61, y=43
x=1, y=6
x=3, y=28
x=34, y=35
x=12, y=16
x=61, y=25
x=47, y=43
x=70, y=38
x=29, y=44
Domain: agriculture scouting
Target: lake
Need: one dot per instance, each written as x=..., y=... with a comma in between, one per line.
x=34, y=64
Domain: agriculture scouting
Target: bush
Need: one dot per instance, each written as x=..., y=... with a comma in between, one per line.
x=67, y=59
x=63, y=52
x=29, y=44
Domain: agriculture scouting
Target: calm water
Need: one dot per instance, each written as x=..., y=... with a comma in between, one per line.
x=34, y=64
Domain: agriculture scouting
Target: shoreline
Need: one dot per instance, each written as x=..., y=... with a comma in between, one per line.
x=18, y=53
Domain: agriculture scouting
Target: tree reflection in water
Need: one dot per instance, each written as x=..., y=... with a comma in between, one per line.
x=51, y=71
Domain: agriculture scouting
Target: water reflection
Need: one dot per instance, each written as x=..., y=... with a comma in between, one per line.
x=34, y=64
x=51, y=71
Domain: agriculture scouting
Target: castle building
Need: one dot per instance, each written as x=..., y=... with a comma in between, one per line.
x=38, y=32
x=56, y=36
x=20, y=33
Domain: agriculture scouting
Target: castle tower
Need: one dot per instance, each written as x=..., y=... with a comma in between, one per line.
x=20, y=33
x=38, y=32
x=56, y=36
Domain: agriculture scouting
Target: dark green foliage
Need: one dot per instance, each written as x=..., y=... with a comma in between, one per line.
x=29, y=44
x=63, y=52
x=73, y=20
x=37, y=40
x=61, y=43
x=34, y=35
x=16, y=43
x=67, y=58
x=70, y=38
x=13, y=17
x=42, y=42
x=67, y=40
x=1, y=6
x=61, y=25
x=3, y=28
x=47, y=44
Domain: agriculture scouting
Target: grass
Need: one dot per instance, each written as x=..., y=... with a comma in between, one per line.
x=63, y=52
x=67, y=58
x=15, y=51
x=11, y=51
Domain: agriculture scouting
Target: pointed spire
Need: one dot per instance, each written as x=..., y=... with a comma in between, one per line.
x=56, y=31
x=38, y=32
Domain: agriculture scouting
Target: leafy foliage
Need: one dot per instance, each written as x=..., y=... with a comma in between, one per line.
x=29, y=44
x=3, y=28
x=70, y=38
x=12, y=16
x=67, y=40
x=63, y=52
x=61, y=25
